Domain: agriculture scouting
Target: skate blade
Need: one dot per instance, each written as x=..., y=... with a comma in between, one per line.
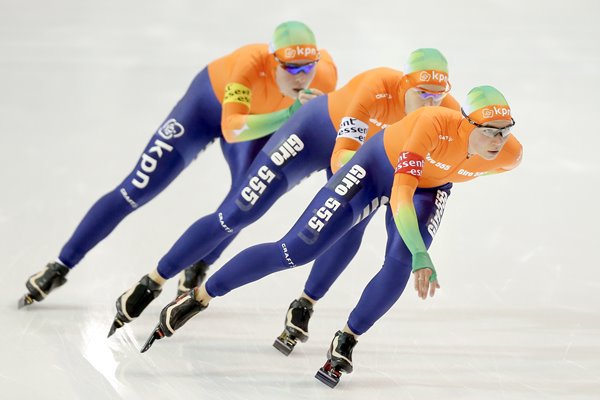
x=25, y=301
x=117, y=323
x=156, y=335
x=284, y=346
x=330, y=378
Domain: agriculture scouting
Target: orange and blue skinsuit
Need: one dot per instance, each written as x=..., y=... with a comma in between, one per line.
x=236, y=98
x=415, y=161
x=244, y=83
x=303, y=145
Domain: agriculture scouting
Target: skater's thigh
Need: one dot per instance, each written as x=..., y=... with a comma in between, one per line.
x=327, y=218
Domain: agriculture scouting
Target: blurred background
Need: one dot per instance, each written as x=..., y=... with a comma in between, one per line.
x=83, y=86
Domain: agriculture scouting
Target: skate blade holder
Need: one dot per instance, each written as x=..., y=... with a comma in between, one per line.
x=25, y=301
x=285, y=343
x=117, y=323
x=328, y=375
x=156, y=335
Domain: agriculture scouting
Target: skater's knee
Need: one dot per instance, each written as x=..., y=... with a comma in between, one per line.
x=227, y=221
x=133, y=197
x=295, y=253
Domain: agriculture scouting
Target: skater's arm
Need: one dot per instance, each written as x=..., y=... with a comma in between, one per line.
x=409, y=169
x=354, y=126
x=344, y=150
x=239, y=125
x=405, y=218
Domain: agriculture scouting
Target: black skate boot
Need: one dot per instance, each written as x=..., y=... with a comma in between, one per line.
x=174, y=316
x=131, y=303
x=296, y=326
x=339, y=359
x=42, y=283
x=191, y=277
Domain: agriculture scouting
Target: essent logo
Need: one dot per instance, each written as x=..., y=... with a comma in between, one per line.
x=410, y=163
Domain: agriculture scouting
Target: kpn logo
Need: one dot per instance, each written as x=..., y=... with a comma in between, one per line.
x=171, y=129
x=495, y=111
x=434, y=76
x=299, y=52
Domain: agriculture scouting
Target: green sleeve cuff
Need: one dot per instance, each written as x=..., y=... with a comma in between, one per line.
x=423, y=260
x=294, y=107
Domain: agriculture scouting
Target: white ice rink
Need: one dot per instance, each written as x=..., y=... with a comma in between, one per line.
x=83, y=85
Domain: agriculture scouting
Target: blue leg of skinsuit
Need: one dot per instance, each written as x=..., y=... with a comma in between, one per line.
x=300, y=147
x=386, y=287
x=329, y=265
x=239, y=157
x=189, y=128
x=334, y=211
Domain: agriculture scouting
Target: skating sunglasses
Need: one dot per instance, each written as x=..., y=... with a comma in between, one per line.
x=426, y=94
x=295, y=69
x=488, y=130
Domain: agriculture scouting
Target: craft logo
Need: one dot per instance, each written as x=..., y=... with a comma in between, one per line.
x=223, y=224
x=286, y=255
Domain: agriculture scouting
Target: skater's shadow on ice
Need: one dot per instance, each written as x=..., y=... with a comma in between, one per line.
x=45, y=308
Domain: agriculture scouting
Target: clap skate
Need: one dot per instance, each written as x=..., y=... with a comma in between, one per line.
x=131, y=303
x=174, y=316
x=296, y=326
x=41, y=284
x=339, y=359
x=191, y=277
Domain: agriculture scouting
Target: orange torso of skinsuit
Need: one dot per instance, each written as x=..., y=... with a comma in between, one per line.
x=375, y=97
x=440, y=137
x=254, y=67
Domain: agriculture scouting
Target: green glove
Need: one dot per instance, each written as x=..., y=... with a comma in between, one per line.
x=422, y=260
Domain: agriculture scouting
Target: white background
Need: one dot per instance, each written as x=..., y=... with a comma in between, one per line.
x=83, y=85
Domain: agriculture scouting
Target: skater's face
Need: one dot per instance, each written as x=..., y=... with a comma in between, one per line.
x=293, y=78
x=488, y=139
x=423, y=95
